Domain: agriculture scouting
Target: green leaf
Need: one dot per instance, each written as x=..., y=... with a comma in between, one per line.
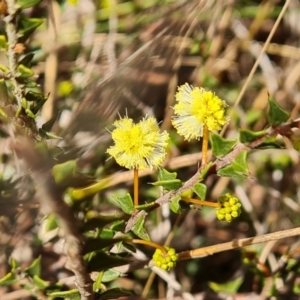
x=8, y=279
x=248, y=136
x=276, y=115
x=125, y=203
x=71, y=295
x=4, y=98
x=40, y=283
x=114, y=293
x=34, y=268
x=48, y=135
x=169, y=185
x=238, y=168
x=51, y=223
x=33, y=96
x=26, y=59
x=48, y=125
x=139, y=229
x=95, y=244
x=27, y=26
x=111, y=275
x=164, y=175
x=102, y=261
x=62, y=173
x=228, y=287
x=118, y=225
x=14, y=264
x=175, y=206
x=200, y=189
x=221, y=146
x=99, y=222
x=28, y=3
x=3, y=42
x=107, y=233
x=24, y=71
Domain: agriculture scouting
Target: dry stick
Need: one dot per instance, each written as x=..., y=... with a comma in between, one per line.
x=263, y=50
x=51, y=200
x=206, y=251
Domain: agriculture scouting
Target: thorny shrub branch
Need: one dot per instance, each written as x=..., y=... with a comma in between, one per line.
x=283, y=129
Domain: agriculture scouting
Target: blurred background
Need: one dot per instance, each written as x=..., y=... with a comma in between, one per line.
x=99, y=60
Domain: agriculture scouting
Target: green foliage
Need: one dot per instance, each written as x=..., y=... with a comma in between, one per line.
x=276, y=115
x=221, y=146
x=139, y=228
x=80, y=174
x=238, y=168
x=125, y=203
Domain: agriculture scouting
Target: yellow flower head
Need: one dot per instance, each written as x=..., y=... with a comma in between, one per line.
x=138, y=146
x=197, y=107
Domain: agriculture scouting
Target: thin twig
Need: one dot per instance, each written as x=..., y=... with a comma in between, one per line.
x=206, y=251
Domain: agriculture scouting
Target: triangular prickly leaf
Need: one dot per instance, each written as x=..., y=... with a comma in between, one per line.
x=248, y=136
x=64, y=172
x=238, y=168
x=34, y=268
x=125, y=203
x=140, y=230
x=39, y=283
x=26, y=59
x=276, y=115
x=48, y=125
x=169, y=185
x=129, y=247
x=163, y=174
x=51, y=222
x=102, y=261
x=295, y=139
x=95, y=244
x=99, y=222
x=28, y=3
x=70, y=295
x=24, y=71
x=221, y=146
x=8, y=279
x=200, y=190
x=114, y=294
x=27, y=26
x=111, y=275
x=107, y=233
x=33, y=96
x=118, y=225
x=14, y=263
x=3, y=42
x=175, y=206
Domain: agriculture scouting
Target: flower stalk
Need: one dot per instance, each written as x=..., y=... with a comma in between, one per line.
x=136, y=187
x=200, y=202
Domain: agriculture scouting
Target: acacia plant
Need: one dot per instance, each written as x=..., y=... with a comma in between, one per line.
x=99, y=246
